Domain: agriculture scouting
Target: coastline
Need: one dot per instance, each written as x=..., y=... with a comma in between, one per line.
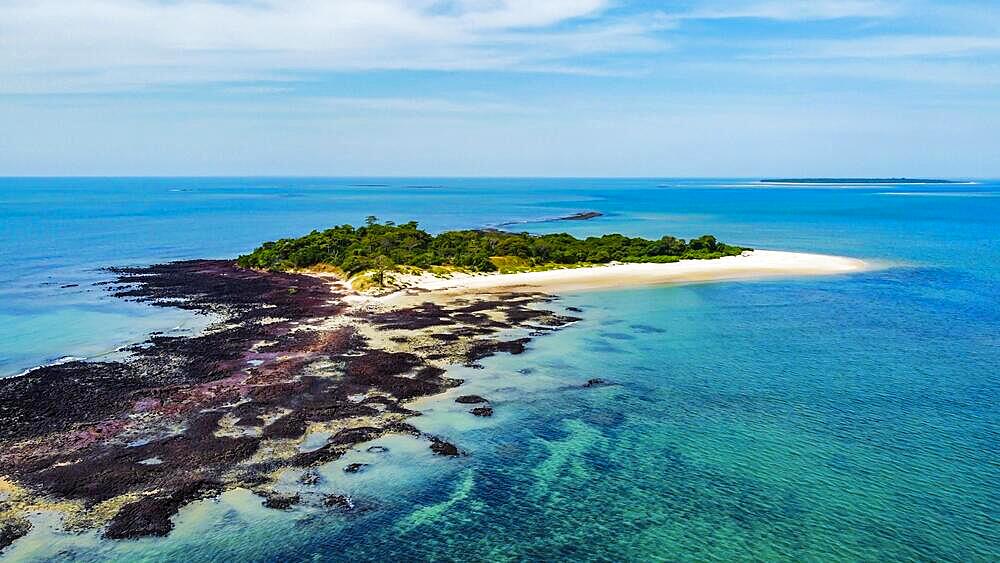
x=297, y=371
x=290, y=377
x=754, y=264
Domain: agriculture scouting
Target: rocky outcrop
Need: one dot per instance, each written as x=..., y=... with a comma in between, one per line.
x=184, y=418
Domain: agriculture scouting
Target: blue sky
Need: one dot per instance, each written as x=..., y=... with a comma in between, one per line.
x=500, y=87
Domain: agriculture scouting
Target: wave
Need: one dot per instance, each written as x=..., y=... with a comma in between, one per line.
x=56, y=362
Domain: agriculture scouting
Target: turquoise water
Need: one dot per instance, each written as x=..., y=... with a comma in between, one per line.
x=845, y=418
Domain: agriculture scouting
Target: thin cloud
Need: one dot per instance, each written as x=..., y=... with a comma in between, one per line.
x=418, y=106
x=86, y=41
x=885, y=47
x=794, y=10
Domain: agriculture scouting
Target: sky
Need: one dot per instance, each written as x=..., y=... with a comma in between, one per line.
x=500, y=87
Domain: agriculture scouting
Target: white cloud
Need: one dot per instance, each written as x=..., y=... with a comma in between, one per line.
x=87, y=44
x=127, y=45
x=795, y=10
x=887, y=47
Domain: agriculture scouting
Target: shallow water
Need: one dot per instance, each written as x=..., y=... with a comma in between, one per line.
x=844, y=418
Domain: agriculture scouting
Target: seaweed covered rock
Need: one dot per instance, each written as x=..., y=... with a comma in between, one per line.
x=279, y=501
x=186, y=417
x=470, y=399
x=150, y=516
x=11, y=529
x=443, y=448
x=342, y=502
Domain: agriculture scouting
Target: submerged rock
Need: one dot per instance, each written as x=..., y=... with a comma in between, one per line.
x=310, y=477
x=377, y=449
x=355, y=435
x=342, y=502
x=279, y=501
x=595, y=382
x=484, y=348
x=403, y=428
x=355, y=468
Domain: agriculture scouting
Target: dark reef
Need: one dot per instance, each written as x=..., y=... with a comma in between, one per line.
x=580, y=216
x=11, y=530
x=470, y=399
x=279, y=501
x=184, y=418
x=441, y=447
x=338, y=501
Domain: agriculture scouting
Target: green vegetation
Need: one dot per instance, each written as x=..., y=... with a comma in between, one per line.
x=384, y=247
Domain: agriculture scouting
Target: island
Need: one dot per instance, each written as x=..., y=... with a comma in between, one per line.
x=384, y=247
x=318, y=344
x=873, y=181
x=578, y=216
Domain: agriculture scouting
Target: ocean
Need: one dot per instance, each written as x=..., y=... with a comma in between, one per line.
x=846, y=418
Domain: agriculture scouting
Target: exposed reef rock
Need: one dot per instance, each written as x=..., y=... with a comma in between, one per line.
x=125, y=444
x=310, y=477
x=150, y=516
x=279, y=501
x=12, y=529
x=440, y=447
x=470, y=399
x=482, y=411
x=338, y=501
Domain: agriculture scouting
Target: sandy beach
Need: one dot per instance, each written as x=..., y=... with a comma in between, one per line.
x=751, y=265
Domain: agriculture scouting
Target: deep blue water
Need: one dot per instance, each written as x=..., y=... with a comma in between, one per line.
x=845, y=418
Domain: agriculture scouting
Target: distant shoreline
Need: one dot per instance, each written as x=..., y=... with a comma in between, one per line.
x=872, y=181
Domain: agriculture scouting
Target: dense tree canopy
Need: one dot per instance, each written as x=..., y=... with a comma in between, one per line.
x=377, y=246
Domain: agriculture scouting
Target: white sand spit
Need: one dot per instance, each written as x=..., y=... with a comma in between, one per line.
x=751, y=265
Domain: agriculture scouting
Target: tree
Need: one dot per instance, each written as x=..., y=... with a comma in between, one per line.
x=380, y=247
x=382, y=264
x=706, y=242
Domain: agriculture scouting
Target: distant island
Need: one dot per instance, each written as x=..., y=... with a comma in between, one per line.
x=855, y=181
x=580, y=216
x=383, y=247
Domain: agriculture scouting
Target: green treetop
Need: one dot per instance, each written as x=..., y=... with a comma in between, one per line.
x=383, y=246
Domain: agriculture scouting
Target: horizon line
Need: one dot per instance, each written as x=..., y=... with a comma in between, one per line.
x=487, y=177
